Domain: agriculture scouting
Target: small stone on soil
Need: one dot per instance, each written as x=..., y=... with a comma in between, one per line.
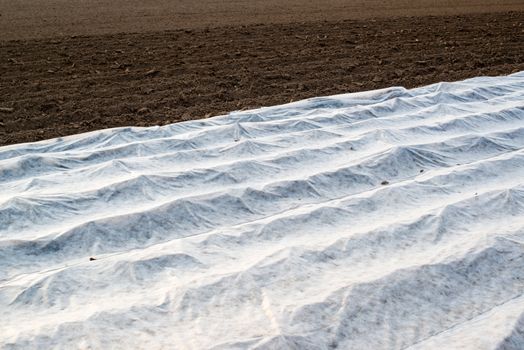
x=151, y=72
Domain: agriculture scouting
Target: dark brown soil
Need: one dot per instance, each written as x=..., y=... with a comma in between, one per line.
x=29, y=19
x=61, y=86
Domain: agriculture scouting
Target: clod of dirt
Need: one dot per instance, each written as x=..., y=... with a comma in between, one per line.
x=6, y=110
x=48, y=106
x=92, y=259
x=143, y=110
x=384, y=183
x=152, y=72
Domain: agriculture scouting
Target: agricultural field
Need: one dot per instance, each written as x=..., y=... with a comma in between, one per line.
x=261, y=174
x=63, y=77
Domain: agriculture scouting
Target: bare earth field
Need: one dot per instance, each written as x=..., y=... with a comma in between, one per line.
x=23, y=19
x=62, y=76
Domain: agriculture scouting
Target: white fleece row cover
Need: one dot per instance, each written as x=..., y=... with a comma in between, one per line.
x=390, y=219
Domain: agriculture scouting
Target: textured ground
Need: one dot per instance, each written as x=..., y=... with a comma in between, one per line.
x=54, y=87
x=391, y=219
x=22, y=19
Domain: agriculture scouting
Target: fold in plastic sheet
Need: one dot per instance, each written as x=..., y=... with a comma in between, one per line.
x=377, y=220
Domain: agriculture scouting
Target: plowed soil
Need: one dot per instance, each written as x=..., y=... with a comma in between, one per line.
x=65, y=85
x=26, y=19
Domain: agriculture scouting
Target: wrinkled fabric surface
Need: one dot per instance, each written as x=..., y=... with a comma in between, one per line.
x=390, y=219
